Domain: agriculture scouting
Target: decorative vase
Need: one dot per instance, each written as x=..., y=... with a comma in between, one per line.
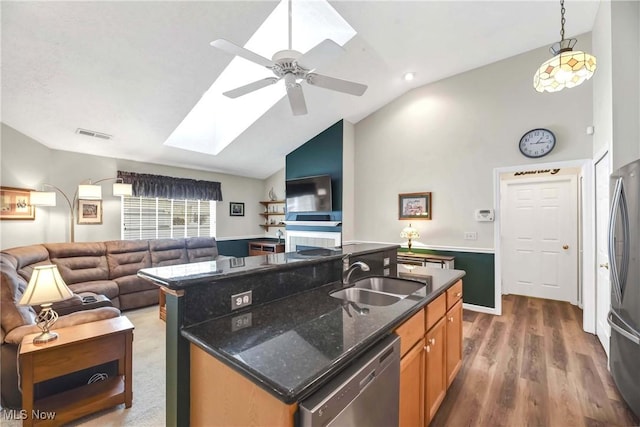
x=272, y=195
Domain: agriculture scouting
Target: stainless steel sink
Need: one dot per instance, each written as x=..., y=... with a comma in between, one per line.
x=379, y=290
x=365, y=296
x=389, y=285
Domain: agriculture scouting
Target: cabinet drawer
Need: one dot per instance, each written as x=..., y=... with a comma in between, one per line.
x=454, y=294
x=436, y=310
x=410, y=332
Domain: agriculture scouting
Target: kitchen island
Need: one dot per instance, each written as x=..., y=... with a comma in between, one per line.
x=291, y=340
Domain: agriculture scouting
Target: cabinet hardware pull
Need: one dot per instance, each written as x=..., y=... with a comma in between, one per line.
x=432, y=341
x=427, y=348
x=458, y=294
x=451, y=319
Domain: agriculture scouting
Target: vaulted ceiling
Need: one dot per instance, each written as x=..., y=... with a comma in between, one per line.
x=134, y=69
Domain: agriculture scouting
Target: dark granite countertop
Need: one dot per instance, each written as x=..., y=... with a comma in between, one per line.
x=294, y=345
x=182, y=275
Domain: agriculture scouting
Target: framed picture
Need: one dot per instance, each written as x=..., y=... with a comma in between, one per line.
x=15, y=203
x=414, y=206
x=89, y=211
x=236, y=209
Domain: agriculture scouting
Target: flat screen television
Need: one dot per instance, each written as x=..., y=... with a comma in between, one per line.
x=309, y=194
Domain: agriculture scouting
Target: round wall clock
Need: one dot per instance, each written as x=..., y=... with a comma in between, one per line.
x=537, y=143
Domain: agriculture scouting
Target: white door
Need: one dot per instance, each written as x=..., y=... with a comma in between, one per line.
x=603, y=284
x=539, y=233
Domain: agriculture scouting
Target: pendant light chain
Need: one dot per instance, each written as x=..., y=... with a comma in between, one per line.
x=562, y=20
x=290, y=24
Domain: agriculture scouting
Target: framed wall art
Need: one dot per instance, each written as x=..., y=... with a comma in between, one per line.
x=15, y=203
x=89, y=211
x=414, y=206
x=236, y=209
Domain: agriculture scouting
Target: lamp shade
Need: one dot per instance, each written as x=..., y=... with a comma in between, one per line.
x=43, y=198
x=46, y=286
x=409, y=233
x=121, y=189
x=89, y=192
x=565, y=70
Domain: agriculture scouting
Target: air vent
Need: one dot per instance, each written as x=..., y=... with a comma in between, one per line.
x=93, y=134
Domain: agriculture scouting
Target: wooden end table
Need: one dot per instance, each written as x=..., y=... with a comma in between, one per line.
x=77, y=347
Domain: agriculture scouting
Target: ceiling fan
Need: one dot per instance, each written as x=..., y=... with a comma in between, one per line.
x=293, y=67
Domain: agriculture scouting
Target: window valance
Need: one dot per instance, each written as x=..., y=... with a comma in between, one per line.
x=166, y=187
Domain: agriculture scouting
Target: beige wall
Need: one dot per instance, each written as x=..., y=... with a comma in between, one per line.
x=28, y=164
x=447, y=138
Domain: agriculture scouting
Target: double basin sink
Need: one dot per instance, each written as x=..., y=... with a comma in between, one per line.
x=378, y=291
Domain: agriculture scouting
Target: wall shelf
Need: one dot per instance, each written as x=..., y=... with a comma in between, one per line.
x=271, y=209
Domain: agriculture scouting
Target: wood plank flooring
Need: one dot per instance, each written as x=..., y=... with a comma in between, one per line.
x=532, y=366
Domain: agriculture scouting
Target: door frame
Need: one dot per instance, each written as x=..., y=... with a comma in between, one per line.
x=586, y=234
x=600, y=155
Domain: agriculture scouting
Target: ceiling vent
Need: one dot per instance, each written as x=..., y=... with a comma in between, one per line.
x=93, y=134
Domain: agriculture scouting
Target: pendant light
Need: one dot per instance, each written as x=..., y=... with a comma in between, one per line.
x=568, y=68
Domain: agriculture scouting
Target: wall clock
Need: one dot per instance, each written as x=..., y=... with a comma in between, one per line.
x=537, y=143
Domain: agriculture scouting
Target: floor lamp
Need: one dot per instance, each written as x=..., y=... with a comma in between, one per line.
x=87, y=190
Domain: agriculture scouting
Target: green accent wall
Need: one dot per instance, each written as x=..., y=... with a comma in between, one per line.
x=321, y=155
x=479, y=282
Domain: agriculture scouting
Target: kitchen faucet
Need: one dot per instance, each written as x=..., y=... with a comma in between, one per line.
x=346, y=274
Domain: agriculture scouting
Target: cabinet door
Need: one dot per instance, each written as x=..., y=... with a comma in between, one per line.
x=412, y=386
x=436, y=379
x=454, y=341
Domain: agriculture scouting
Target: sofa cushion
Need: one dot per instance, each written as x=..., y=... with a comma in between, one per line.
x=77, y=318
x=25, y=258
x=12, y=286
x=201, y=249
x=80, y=262
x=126, y=257
x=108, y=288
x=168, y=252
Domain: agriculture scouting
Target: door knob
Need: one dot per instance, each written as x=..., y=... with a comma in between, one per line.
x=605, y=265
x=565, y=247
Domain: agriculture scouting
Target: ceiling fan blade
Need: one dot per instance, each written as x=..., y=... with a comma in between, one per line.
x=323, y=53
x=243, y=90
x=295, y=95
x=234, y=49
x=332, y=83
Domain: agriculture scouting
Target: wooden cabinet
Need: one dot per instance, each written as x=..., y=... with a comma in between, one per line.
x=454, y=341
x=431, y=347
x=411, y=335
x=265, y=248
x=436, y=381
x=274, y=213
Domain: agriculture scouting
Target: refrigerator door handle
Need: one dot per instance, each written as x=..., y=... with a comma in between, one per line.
x=628, y=335
x=613, y=218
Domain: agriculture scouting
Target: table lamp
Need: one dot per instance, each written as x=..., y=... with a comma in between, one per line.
x=45, y=287
x=409, y=233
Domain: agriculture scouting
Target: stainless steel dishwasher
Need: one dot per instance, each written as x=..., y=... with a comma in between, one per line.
x=364, y=394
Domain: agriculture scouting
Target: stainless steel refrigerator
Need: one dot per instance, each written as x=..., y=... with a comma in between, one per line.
x=624, y=259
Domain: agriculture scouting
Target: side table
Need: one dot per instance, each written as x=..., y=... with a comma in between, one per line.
x=77, y=347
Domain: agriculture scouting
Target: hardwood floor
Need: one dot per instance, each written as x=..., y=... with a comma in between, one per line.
x=532, y=366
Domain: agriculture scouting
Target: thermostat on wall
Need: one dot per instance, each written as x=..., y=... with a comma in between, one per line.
x=484, y=214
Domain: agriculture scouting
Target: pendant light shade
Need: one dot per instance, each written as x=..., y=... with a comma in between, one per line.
x=567, y=68
x=89, y=192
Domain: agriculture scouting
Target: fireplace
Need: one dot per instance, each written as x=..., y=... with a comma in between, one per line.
x=303, y=240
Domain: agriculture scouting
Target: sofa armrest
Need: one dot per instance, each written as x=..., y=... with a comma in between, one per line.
x=71, y=319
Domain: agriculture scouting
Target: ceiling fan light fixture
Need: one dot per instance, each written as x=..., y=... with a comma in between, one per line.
x=568, y=68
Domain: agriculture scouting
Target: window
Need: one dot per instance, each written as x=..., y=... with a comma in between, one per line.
x=154, y=218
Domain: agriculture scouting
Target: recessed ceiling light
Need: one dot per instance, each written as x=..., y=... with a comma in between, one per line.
x=409, y=76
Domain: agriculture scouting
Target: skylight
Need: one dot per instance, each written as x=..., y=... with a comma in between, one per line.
x=216, y=120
